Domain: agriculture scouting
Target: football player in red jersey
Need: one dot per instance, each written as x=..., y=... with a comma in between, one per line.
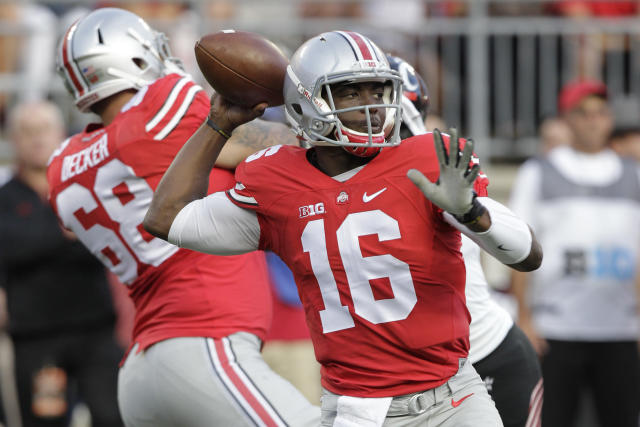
x=195, y=357
x=377, y=264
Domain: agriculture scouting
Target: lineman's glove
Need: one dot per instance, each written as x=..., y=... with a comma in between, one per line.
x=453, y=192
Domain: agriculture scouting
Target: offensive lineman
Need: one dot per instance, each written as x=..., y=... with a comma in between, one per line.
x=377, y=265
x=195, y=358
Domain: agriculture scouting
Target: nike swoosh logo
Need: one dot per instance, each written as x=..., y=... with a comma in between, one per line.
x=367, y=199
x=455, y=404
x=502, y=248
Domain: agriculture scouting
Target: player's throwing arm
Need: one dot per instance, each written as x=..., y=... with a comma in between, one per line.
x=249, y=71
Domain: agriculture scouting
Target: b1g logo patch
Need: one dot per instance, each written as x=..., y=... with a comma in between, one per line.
x=310, y=210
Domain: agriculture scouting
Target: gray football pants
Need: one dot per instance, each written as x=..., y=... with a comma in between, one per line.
x=205, y=382
x=463, y=401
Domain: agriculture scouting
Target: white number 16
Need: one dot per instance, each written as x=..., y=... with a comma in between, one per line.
x=359, y=270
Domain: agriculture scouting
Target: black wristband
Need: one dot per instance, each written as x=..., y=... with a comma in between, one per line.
x=474, y=214
x=215, y=127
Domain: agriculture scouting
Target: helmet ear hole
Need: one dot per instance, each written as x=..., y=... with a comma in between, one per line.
x=297, y=108
x=100, y=39
x=140, y=63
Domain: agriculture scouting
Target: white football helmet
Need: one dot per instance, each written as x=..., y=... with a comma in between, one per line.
x=108, y=51
x=335, y=57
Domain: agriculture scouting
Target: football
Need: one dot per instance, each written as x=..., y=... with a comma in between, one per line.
x=243, y=67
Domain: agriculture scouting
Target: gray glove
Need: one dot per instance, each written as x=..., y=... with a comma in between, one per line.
x=453, y=192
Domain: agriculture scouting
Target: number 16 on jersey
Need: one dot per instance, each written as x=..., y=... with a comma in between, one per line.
x=359, y=271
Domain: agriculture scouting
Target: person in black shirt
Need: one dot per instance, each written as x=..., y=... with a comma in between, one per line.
x=60, y=313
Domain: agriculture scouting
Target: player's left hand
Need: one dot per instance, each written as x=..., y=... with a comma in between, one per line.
x=453, y=192
x=228, y=115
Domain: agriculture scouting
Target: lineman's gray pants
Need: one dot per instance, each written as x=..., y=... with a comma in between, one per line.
x=205, y=382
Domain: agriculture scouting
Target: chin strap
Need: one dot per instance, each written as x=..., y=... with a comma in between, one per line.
x=349, y=135
x=362, y=151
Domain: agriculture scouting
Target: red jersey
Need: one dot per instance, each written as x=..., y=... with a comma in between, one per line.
x=378, y=270
x=288, y=323
x=101, y=184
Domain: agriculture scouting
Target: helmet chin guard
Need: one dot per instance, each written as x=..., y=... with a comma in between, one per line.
x=329, y=59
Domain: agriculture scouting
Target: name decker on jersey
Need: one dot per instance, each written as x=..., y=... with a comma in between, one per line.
x=89, y=157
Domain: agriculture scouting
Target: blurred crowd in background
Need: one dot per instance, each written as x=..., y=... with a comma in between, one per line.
x=494, y=69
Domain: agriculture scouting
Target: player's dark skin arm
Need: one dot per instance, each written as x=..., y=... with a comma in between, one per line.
x=533, y=260
x=187, y=178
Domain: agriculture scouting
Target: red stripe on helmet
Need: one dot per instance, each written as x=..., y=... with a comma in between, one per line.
x=362, y=45
x=65, y=60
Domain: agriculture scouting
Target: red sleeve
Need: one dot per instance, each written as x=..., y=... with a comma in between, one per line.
x=480, y=185
x=258, y=181
x=245, y=194
x=220, y=180
x=160, y=119
x=175, y=103
x=242, y=193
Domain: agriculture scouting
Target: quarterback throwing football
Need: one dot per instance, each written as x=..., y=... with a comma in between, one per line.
x=369, y=227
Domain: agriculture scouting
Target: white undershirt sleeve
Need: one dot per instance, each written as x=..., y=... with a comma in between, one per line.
x=508, y=239
x=216, y=226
